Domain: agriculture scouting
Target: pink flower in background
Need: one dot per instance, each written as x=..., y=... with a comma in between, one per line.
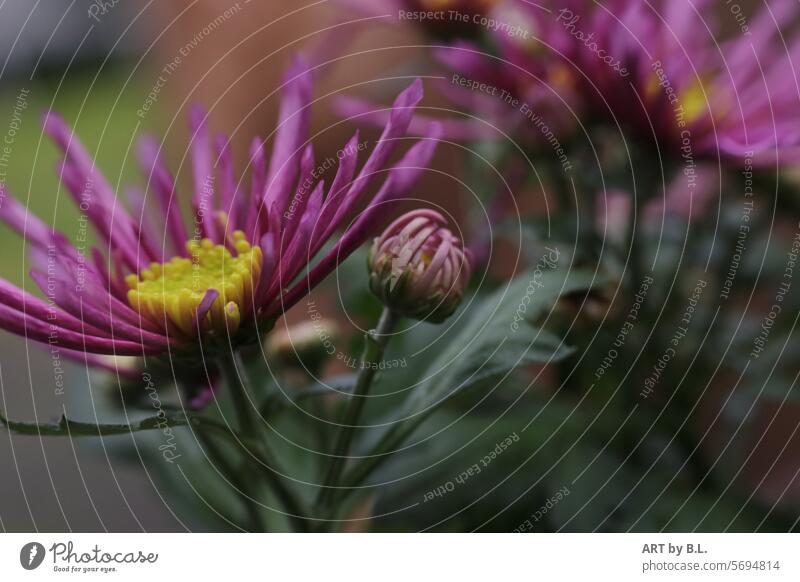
x=662, y=69
x=613, y=215
x=158, y=285
x=703, y=92
x=688, y=200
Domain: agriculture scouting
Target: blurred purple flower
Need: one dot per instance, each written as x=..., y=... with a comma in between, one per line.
x=613, y=212
x=685, y=203
x=702, y=92
x=660, y=70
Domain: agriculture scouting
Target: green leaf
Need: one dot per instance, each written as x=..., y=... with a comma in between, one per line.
x=73, y=428
x=67, y=427
x=504, y=332
x=500, y=336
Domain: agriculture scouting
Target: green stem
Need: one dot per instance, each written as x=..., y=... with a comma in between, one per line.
x=236, y=477
x=587, y=230
x=267, y=461
x=68, y=427
x=379, y=455
x=634, y=247
x=238, y=392
x=374, y=348
x=650, y=183
x=274, y=476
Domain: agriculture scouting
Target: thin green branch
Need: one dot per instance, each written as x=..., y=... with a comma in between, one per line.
x=267, y=460
x=374, y=348
x=66, y=426
x=236, y=478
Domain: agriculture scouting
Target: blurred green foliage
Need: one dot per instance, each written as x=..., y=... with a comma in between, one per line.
x=102, y=108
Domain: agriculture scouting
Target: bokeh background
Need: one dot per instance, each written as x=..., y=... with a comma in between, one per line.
x=98, y=72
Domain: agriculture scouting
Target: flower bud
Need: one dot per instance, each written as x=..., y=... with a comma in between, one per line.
x=418, y=268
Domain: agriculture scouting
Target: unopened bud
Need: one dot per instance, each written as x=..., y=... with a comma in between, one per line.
x=418, y=268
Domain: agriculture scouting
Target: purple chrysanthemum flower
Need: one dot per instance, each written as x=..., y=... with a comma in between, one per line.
x=161, y=286
x=733, y=96
x=661, y=69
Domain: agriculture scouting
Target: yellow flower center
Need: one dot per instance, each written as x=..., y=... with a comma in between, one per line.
x=173, y=291
x=694, y=101
x=561, y=77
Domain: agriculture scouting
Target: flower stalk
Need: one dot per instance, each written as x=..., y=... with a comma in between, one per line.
x=257, y=447
x=374, y=349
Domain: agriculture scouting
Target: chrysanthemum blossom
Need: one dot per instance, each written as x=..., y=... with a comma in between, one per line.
x=157, y=284
x=418, y=267
x=668, y=69
x=705, y=93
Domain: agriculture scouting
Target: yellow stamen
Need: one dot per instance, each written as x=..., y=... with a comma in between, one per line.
x=694, y=101
x=174, y=290
x=562, y=77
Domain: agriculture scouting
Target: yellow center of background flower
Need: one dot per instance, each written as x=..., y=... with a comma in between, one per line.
x=691, y=102
x=173, y=291
x=694, y=101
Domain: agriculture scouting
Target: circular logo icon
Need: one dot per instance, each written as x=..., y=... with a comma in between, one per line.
x=31, y=555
